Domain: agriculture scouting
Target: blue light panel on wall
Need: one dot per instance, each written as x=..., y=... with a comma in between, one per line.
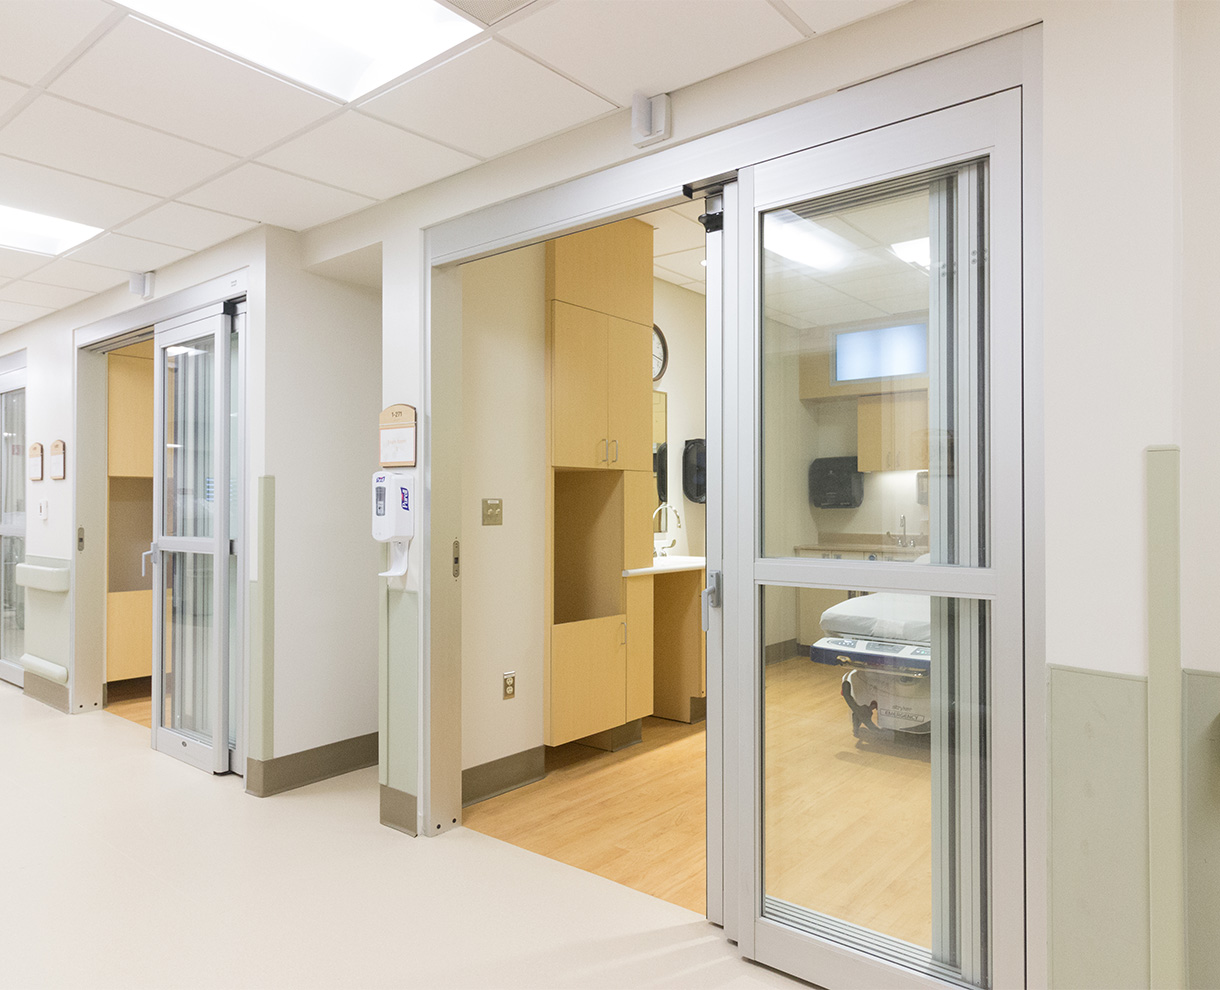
x=886, y=352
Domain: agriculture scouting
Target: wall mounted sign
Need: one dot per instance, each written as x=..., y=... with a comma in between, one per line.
x=398, y=436
x=59, y=461
x=35, y=462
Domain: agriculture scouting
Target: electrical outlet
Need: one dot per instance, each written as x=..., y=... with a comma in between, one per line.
x=493, y=512
x=510, y=685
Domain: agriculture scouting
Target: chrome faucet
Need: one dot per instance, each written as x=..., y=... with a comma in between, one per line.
x=658, y=550
x=902, y=540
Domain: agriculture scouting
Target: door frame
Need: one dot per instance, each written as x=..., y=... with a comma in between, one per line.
x=87, y=468
x=655, y=182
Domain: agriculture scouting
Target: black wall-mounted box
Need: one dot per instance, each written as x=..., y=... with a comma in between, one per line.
x=834, y=483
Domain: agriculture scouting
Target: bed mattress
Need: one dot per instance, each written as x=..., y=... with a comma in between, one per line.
x=893, y=618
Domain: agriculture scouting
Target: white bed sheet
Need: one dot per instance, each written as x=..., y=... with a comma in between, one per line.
x=894, y=618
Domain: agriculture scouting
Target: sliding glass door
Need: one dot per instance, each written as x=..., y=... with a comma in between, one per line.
x=194, y=550
x=876, y=603
x=12, y=533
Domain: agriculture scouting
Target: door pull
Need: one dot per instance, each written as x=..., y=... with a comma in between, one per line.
x=710, y=598
x=146, y=557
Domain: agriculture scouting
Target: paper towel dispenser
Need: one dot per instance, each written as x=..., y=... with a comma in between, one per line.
x=834, y=483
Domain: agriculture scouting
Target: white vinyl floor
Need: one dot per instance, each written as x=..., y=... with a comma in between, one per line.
x=120, y=867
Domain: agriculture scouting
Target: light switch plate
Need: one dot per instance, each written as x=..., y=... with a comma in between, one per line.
x=493, y=512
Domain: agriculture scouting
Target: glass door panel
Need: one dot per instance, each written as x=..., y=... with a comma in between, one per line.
x=877, y=594
x=192, y=551
x=867, y=733
x=12, y=527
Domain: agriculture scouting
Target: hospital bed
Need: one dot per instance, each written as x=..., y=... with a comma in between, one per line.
x=886, y=641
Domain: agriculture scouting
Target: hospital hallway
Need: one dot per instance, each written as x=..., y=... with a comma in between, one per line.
x=124, y=868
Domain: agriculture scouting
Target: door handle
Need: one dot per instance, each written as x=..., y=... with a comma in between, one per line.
x=615, y=452
x=710, y=598
x=152, y=548
x=606, y=456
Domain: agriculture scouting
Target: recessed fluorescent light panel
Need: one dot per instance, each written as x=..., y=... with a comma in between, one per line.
x=345, y=48
x=803, y=241
x=916, y=252
x=26, y=231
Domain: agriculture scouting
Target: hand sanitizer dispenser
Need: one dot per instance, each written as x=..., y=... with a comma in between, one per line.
x=394, y=517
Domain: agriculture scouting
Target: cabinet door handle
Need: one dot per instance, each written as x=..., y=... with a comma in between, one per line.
x=624, y=642
x=615, y=451
x=606, y=456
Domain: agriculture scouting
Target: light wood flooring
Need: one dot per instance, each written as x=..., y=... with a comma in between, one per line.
x=636, y=816
x=848, y=824
x=131, y=700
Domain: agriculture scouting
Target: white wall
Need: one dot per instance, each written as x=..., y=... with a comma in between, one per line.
x=503, y=456
x=323, y=366
x=682, y=316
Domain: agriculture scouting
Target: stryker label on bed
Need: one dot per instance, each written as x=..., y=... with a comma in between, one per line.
x=889, y=658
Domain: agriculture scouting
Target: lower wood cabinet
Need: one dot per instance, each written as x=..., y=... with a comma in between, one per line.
x=638, y=592
x=588, y=677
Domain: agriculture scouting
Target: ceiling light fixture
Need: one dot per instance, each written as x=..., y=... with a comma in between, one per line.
x=916, y=252
x=40, y=234
x=343, y=49
x=803, y=241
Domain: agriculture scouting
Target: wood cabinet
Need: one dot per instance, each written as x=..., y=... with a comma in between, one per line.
x=606, y=269
x=599, y=664
x=892, y=432
x=679, y=644
x=588, y=689
x=601, y=391
x=638, y=592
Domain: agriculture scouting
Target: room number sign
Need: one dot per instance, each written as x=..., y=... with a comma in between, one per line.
x=397, y=433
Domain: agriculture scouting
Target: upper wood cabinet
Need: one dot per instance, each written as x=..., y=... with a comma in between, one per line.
x=129, y=417
x=607, y=269
x=892, y=432
x=601, y=391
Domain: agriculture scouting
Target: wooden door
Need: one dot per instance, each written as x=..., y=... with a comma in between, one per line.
x=579, y=433
x=629, y=372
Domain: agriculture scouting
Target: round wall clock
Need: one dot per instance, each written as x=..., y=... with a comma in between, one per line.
x=660, y=353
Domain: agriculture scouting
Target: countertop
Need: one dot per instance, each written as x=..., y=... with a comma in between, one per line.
x=664, y=565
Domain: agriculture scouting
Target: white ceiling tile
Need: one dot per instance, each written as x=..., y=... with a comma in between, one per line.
x=188, y=90
x=269, y=196
x=36, y=35
x=618, y=47
x=688, y=264
x=76, y=139
x=826, y=15
x=692, y=210
x=674, y=233
x=38, y=294
x=487, y=100
x=129, y=253
x=78, y=275
x=17, y=264
x=22, y=312
x=367, y=156
x=10, y=93
x=186, y=226
x=669, y=276
x=46, y=190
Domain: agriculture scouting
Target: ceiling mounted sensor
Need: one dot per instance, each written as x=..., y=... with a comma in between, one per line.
x=490, y=11
x=650, y=119
x=343, y=49
x=37, y=233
